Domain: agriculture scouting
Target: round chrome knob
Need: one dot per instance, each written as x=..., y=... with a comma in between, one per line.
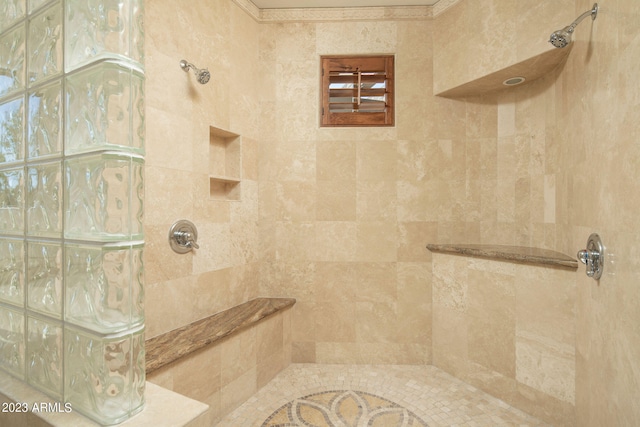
x=593, y=256
x=183, y=236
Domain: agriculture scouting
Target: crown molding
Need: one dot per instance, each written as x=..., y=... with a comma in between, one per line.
x=344, y=14
x=251, y=9
x=442, y=6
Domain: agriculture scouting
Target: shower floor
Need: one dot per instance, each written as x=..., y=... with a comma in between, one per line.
x=374, y=396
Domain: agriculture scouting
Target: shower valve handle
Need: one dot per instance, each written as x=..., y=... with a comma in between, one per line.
x=183, y=236
x=590, y=259
x=593, y=257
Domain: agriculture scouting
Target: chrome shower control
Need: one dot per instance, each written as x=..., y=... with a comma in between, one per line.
x=593, y=256
x=183, y=236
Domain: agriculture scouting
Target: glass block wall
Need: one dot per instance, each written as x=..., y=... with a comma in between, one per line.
x=71, y=201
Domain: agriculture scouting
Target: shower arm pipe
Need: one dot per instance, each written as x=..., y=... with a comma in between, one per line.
x=593, y=12
x=188, y=65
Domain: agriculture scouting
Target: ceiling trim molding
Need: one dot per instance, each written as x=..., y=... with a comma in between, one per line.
x=344, y=13
x=442, y=6
x=249, y=7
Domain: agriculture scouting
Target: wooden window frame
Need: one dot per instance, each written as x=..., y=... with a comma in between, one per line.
x=358, y=65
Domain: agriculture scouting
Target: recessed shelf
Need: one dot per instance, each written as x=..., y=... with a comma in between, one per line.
x=225, y=164
x=224, y=189
x=224, y=179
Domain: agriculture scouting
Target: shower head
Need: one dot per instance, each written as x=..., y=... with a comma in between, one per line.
x=202, y=76
x=562, y=37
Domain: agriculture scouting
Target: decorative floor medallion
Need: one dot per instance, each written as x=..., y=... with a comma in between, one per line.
x=342, y=408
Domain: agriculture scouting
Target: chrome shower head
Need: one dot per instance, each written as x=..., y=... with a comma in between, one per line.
x=562, y=38
x=202, y=76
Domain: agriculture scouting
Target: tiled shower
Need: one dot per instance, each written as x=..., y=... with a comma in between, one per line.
x=522, y=167
x=71, y=202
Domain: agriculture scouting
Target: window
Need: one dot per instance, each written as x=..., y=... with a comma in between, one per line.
x=357, y=91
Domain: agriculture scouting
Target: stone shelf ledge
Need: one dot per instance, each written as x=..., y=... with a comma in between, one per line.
x=519, y=254
x=170, y=346
x=531, y=69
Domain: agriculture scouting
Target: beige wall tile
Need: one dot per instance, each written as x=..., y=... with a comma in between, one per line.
x=270, y=337
x=450, y=282
x=413, y=160
x=198, y=375
x=238, y=354
x=303, y=352
x=415, y=282
x=494, y=383
x=250, y=158
x=336, y=161
x=295, y=241
x=335, y=321
x=450, y=340
x=544, y=365
x=372, y=161
x=413, y=238
x=296, y=160
x=508, y=329
x=381, y=354
x=335, y=200
x=491, y=321
x=546, y=303
x=376, y=200
x=413, y=196
x=336, y=281
x=337, y=352
x=377, y=241
x=376, y=282
x=541, y=405
x=164, y=297
x=376, y=322
x=271, y=367
x=335, y=241
x=304, y=318
x=238, y=391
x=296, y=201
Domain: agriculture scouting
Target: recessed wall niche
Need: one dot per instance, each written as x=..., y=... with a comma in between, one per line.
x=225, y=164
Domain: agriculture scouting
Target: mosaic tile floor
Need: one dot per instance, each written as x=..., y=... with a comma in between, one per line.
x=372, y=396
x=343, y=408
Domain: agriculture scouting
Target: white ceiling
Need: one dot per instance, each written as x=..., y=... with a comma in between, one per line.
x=297, y=4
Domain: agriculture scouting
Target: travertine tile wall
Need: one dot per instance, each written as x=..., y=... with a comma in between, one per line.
x=347, y=213
x=598, y=183
x=343, y=210
x=339, y=218
x=224, y=272
x=568, y=166
x=508, y=329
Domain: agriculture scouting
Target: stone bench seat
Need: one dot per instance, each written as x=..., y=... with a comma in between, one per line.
x=173, y=345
